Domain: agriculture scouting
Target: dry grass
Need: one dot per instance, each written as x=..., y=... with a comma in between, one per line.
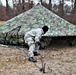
x=2, y=22
x=60, y=60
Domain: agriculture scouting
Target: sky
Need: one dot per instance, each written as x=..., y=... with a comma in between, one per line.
x=4, y=2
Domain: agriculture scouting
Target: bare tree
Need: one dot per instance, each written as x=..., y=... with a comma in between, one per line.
x=14, y=7
x=23, y=5
x=41, y=2
x=19, y=6
x=75, y=2
x=61, y=8
x=0, y=9
x=74, y=10
x=31, y=4
x=7, y=8
x=50, y=5
x=0, y=2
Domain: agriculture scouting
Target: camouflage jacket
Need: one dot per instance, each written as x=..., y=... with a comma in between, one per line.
x=36, y=34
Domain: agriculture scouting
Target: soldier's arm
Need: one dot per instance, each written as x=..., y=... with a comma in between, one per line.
x=38, y=37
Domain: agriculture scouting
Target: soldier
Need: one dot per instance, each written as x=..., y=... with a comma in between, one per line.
x=32, y=38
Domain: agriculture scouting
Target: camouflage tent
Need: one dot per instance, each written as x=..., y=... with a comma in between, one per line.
x=12, y=32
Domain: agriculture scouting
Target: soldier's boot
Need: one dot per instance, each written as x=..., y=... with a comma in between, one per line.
x=36, y=54
x=32, y=59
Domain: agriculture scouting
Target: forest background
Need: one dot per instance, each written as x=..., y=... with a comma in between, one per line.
x=64, y=8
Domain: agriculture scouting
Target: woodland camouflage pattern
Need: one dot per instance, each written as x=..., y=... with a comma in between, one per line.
x=12, y=32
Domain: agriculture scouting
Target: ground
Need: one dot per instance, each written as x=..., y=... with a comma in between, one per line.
x=59, y=59
x=1, y=22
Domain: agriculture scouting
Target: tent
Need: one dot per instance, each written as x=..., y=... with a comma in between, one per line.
x=12, y=32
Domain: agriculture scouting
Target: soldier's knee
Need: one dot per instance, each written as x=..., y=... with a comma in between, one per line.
x=31, y=44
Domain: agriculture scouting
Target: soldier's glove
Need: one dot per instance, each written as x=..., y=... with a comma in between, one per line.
x=38, y=43
x=40, y=47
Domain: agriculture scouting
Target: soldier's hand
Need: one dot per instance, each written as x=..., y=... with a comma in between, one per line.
x=40, y=46
x=38, y=43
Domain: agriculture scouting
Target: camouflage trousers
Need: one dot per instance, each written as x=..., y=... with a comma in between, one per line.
x=33, y=47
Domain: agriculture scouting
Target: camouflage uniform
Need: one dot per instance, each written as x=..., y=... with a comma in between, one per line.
x=31, y=37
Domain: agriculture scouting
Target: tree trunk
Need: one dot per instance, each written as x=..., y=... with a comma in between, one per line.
x=23, y=5
x=74, y=10
x=50, y=5
x=41, y=2
x=14, y=12
x=75, y=2
x=19, y=7
x=0, y=9
x=61, y=8
x=7, y=8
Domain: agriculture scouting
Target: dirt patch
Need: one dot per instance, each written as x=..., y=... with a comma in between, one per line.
x=60, y=60
x=2, y=22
